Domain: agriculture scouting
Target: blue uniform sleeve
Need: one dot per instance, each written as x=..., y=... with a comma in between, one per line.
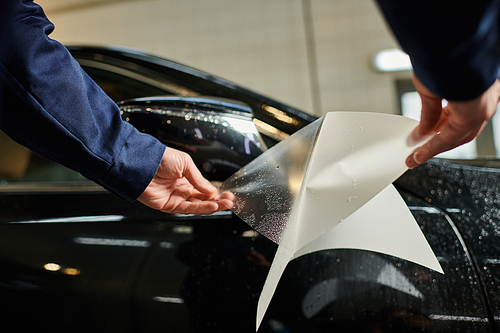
x=50, y=105
x=454, y=46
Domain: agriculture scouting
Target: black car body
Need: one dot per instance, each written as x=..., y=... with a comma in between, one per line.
x=75, y=258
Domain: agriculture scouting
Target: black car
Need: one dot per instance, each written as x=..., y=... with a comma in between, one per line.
x=74, y=258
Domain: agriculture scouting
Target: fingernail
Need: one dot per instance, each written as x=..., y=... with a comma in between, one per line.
x=417, y=156
x=410, y=162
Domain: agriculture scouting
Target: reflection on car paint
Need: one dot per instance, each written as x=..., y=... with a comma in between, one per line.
x=168, y=299
x=458, y=318
x=76, y=219
x=111, y=242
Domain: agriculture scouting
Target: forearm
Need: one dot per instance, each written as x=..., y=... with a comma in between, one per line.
x=453, y=47
x=49, y=104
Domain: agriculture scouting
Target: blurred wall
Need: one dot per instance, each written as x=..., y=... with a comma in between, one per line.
x=311, y=54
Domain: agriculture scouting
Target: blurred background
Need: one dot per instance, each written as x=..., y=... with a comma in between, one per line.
x=315, y=55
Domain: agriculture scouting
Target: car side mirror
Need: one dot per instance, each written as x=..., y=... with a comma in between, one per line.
x=218, y=134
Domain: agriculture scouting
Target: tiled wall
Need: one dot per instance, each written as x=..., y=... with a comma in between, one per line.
x=260, y=44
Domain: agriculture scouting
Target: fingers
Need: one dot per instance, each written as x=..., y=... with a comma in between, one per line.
x=201, y=207
x=180, y=188
x=456, y=131
x=197, y=208
x=185, y=199
x=212, y=204
x=194, y=176
x=226, y=201
x=457, y=123
x=447, y=139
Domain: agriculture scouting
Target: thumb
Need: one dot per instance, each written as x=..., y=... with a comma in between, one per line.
x=432, y=116
x=194, y=176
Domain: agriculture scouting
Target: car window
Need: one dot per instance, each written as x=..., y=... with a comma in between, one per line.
x=122, y=83
x=19, y=165
x=120, y=87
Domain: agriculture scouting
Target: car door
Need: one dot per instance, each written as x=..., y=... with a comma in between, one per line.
x=222, y=265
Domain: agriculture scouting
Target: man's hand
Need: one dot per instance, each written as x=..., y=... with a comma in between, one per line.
x=179, y=187
x=455, y=124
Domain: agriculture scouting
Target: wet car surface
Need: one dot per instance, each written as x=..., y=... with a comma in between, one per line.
x=75, y=258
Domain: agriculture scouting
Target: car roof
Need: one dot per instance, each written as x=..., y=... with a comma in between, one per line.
x=277, y=114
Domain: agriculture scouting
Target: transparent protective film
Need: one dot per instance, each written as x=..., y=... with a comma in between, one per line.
x=266, y=188
x=330, y=186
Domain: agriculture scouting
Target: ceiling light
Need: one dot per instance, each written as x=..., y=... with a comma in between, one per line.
x=391, y=60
